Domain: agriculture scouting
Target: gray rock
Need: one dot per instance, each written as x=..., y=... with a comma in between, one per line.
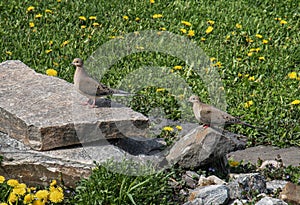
x=213, y=194
x=191, y=179
x=243, y=184
x=72, y=163
x=290, y=193
x=237, y=202
x=204, y=146
x=275, y=184
x=45, y=112
x=270, y=201
x=197, y=201
x=210, y=180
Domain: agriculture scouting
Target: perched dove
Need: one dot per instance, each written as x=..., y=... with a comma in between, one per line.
x=89, y=87
x=210, y=115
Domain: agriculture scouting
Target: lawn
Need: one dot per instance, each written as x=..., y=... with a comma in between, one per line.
x=253, y=46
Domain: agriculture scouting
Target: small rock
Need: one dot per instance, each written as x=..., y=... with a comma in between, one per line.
x=244, y=183
x=272, y=163
x=291, y=193
x=237, y=202
x=213, y=194
x=191, y=179
x=270, y=201
x=272, y=186
x=210, y=180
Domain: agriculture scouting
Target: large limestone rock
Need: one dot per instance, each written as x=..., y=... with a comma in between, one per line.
x=204, y=146
x=45, y=112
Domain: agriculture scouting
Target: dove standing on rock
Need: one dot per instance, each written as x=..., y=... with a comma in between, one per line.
x=89, y=87
x=212, y=116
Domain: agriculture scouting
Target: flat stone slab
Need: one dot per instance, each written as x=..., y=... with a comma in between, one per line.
x=289, y=156
x=45, y=112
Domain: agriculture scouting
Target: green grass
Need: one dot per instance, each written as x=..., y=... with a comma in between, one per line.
x=271, y=91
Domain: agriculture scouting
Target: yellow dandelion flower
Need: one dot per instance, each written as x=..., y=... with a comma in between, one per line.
x=30, y=8
x=82, y=18
x=162, y=29
x=95, y=24
x=282, y=22
x=152, y=1
x=247, y=75
x=156, y=16
x=265, y=41
x=177, y=67
x=191, y=33
x=137, y=19
x=251, y=78
x=179, y=128
x=228, y=37
x=41, y=194
x=186, y=23
x=93, y=17
x=12, y=182
x=31, y=24
x=258, y=49
x=48, y=51
x=64, y=43
x=48, y=11
x=28, y=198
x=249, y=40
x=250, y=54
x=233, y=163
x=58, y=1
x=160, y=90
x=50, y=43
x=218, y=64
x=38, y=202
x=38, y=16
x=211, y=22
x=183, y=30
x=8, y=53
x=83, y=26
x=239, y=59
x=248, y=104
x=240, y=75
x=239, y=26
x=203, y=39
x=125, y=17
x=277, y=19
x=51, y=72
x=3, y=203
x=209, y=29
x=56, y=196
x=2, y=179
x=298, y=78
x=12, y=198
x=261, y=58
x=212, y=59
x=233, y=33
x=53, y=183
x=292, y=75
x=20, y=189
x=258, y=36
x=168, y=129
x=295, y=102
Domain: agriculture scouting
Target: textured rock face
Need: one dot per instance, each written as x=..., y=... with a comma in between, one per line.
x=291, y=193
x=203, y=146
x=45, y=112
x=213, y=194
x=244, y=183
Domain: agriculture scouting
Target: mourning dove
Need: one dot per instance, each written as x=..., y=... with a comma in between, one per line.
x=89, y=87
x=210, y=115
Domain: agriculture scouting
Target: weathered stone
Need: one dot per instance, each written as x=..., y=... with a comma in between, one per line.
x=270, y=201
x=197, y=201
x=70, y=164
x=242, y=184
x=204, y=146
x=210, y=180
x=237, y=202
x=191, y=179
x=214, y=194
x=272, y=186
x=291, y=193
x=45, y=112
x=270, y=163
x=289, y=156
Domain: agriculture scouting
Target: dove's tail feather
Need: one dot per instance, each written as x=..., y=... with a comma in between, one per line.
x=121, y=93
